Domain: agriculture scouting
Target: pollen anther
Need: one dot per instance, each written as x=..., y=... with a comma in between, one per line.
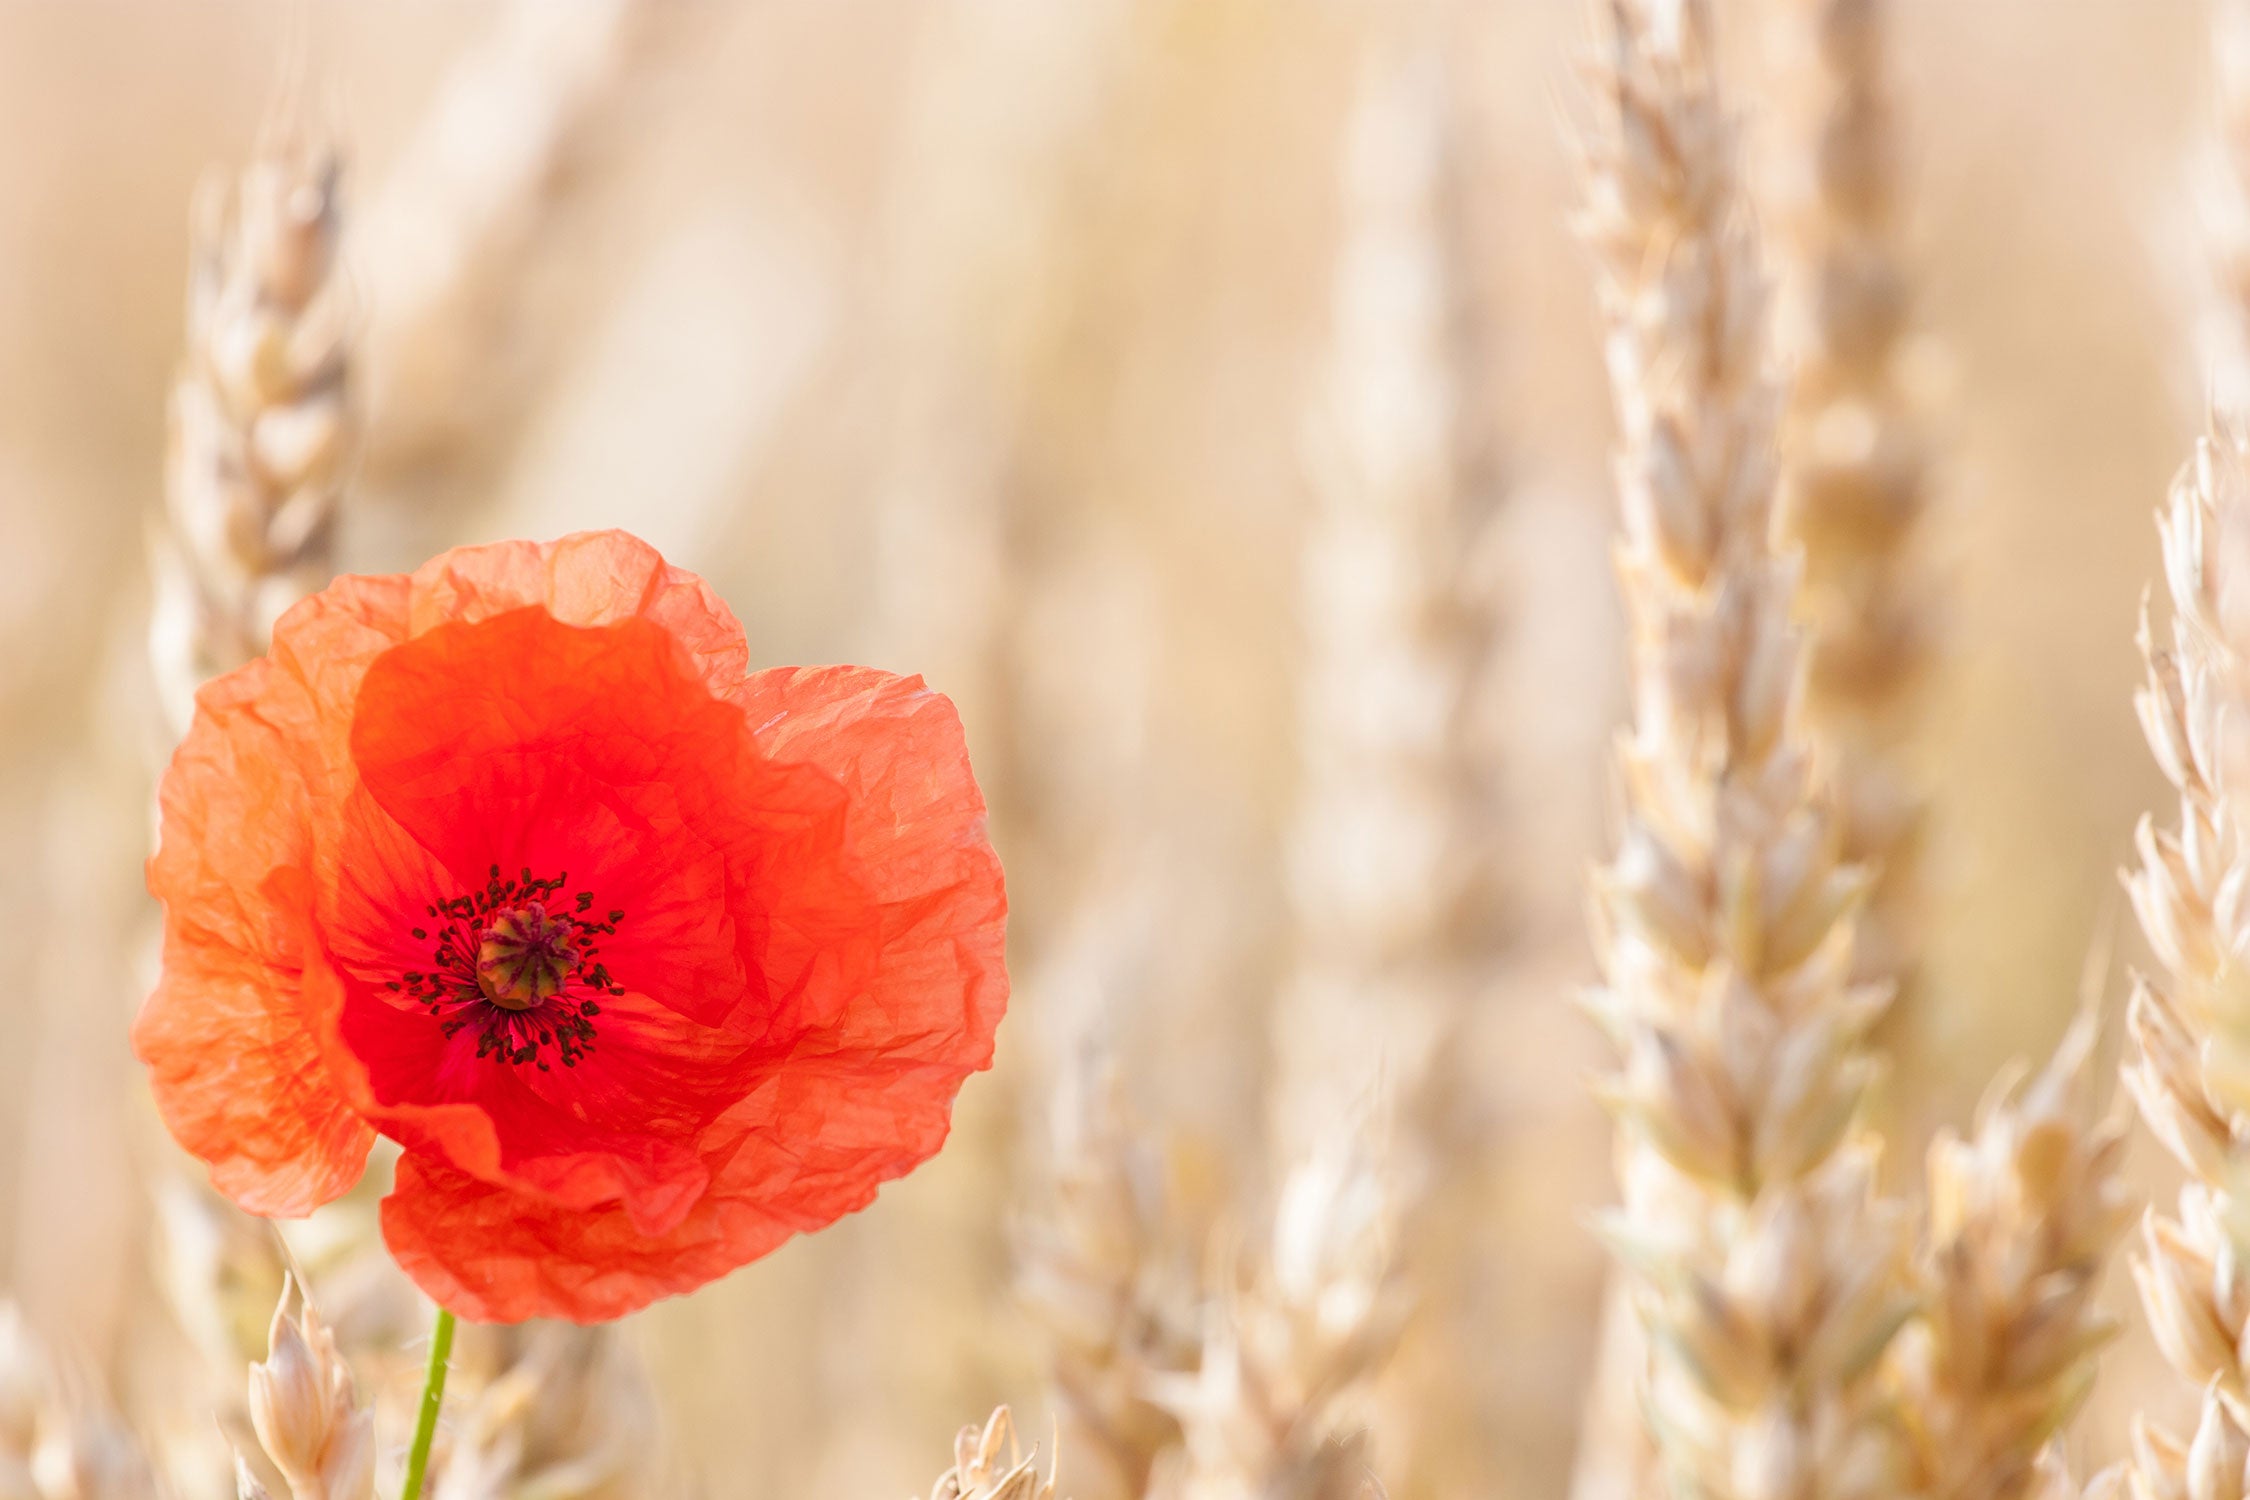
x=517, y=965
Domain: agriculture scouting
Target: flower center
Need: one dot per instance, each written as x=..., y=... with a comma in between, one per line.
x=525, y=956
x=519, y=962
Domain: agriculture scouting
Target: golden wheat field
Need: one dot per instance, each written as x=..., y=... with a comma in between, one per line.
x=1605, y=643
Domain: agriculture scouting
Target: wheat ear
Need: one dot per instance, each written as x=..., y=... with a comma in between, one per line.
x=306, y=1409
x=2023, y=1218
x=2190, y=1020
x=1768, y=1273
x=261, y=423
x=1293, y=1338
x=989, y=1464
x=1855, y=485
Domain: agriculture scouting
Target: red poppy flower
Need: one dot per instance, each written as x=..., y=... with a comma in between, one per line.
x=646, y=960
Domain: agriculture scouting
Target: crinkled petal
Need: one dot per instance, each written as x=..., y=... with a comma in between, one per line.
x=812, y=1143
x=590, y=578
x=234, y=1061
x=891, y=938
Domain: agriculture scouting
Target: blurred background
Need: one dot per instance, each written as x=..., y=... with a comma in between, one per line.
x=1038, y=346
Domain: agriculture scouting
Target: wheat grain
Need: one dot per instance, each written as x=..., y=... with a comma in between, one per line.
x=261, y=422
x=1768, y=1272
x=2022, y=1221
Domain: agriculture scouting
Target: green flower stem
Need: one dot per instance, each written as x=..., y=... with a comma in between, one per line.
x=433, y=1397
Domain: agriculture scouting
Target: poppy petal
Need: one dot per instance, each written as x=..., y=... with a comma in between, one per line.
x=893, y=936
x=234, y=1061
x=811, y=1144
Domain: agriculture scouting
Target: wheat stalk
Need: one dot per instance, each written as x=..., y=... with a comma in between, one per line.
x=261, y=431
x=1391, y=843
x=2023, y=1218
x=2190, y=1022
x=975, y=248
x=261, y=423
x=1278, y=1403
x=1393, y=849
x=1099, y=1269
x=22, y=1386
x=473, y=200
x=221, y=1271
x=2223, y=175
x=1768, y=1273
x=1856, y=485
x=565, y=1413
